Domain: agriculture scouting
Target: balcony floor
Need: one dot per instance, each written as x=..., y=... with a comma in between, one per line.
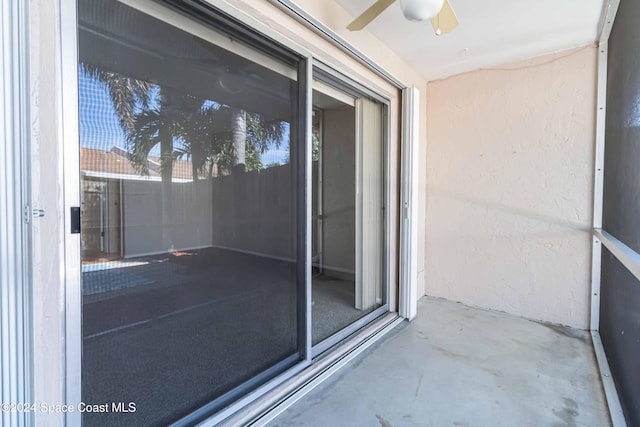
x=461, y=366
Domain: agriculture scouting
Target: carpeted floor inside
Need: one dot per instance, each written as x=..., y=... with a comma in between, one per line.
x=173, y=332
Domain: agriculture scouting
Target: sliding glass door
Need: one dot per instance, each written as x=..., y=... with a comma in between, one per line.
x=189, y=213
x=348, y=207
x=194, y=149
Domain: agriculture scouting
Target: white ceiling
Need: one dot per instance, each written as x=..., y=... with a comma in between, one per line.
x=491, y=32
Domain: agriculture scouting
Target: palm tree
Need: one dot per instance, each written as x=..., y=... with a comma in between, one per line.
x=208, y=139
x=210, y=134
x=252, y=135
x=146, y=127
x=130, y=98
x=239, y=138
x=127, y=94
x=262, y=133
x=205, y=140
x=200, y=127
x=178, y=115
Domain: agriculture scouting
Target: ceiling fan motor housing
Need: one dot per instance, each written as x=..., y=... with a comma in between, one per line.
x=420, y=10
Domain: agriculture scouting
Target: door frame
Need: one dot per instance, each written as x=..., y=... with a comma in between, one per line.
x=319, y=211
x=16, y=215
x=71, y=197
x=340, y=78
x=410, y=161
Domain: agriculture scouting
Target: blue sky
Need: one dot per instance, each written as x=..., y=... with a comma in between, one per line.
x=100, y=128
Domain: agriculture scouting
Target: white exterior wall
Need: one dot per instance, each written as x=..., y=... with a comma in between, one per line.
x=510, y=181
x=47, y=194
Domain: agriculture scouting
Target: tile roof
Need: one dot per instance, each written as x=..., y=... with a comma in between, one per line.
x=116, y=162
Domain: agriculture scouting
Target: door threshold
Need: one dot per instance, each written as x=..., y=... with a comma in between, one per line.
x=267, y=407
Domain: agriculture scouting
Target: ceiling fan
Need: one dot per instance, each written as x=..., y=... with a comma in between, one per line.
x=442, y=16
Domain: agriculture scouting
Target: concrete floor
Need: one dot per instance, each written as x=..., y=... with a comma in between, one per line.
x=459, y=366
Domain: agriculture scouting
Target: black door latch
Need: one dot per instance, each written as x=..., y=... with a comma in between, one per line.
x=75, y=220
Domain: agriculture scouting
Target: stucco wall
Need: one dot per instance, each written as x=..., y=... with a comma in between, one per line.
x=509, y=187
x=47, y=193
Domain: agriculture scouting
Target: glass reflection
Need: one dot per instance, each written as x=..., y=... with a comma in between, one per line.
x=188, y=214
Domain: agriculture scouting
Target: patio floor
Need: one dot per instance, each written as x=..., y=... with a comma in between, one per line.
x=461, y=366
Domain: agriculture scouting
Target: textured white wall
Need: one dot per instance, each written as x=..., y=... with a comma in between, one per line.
x=509, y=187
x=47, y=192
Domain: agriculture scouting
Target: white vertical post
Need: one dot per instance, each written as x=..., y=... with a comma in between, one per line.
x=613, y=401
x=69, y=133
x=319, y=199
x=601, y=117
x=408, y=208
x=358, y=178
x=15, y=213
x=308, y=160
x=369, y=204
x=598, y=184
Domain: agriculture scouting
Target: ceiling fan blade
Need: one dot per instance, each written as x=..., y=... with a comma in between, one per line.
x=369, y=15
x=446, y=20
